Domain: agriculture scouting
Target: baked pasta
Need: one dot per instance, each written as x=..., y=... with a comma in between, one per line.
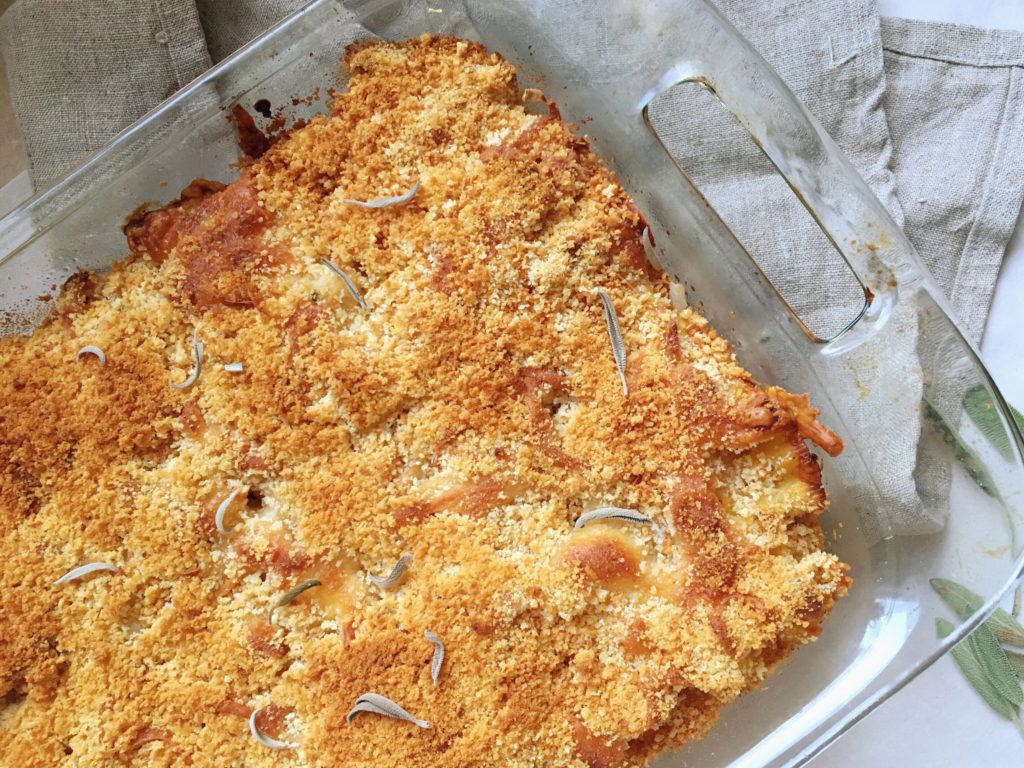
x=395, y=451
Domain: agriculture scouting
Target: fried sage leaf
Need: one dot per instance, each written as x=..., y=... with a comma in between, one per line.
x=193, y=376
x=96, y=352
x=222, y=509
x=647, y=240
x=347, y=281
x=438, y=659
x=965, y=603
x=375, y=704
x=615, y=336
x=396, y=576
x=85, y=570
x=387, y=202
x=613, y=513
x=291, y=594
x=265, y=740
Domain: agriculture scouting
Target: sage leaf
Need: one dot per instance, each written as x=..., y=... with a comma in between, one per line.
x=615, y=337
x=95, y=351
x=1006, y=628
x=265, y=740
x=438, y=658
x=291, y=594
x=966, y=656
x=376, y=704
x=347, y=281
x=395, y=577
x=193, y=376
x=613, y=513
x=85, y=570
x=1016, y=661
x=997, y=667
x=222, y=509
x=979, y=406
x=387, y=202
x=965, y=603
x=962, y=452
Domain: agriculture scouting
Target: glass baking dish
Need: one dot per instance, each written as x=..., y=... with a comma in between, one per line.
x=604, y=69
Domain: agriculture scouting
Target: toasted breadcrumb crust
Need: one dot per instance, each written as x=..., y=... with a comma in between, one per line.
x=466, y=417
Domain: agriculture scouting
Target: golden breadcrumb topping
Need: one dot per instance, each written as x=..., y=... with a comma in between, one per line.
x=467, y=416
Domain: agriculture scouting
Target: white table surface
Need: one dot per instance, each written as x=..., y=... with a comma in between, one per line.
x=937, y=720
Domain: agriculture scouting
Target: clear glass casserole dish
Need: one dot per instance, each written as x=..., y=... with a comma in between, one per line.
x=883, y=633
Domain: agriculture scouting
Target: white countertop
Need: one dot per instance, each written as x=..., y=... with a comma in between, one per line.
x=937, y=720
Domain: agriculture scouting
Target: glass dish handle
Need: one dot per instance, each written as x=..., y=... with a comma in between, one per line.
x=806, y=157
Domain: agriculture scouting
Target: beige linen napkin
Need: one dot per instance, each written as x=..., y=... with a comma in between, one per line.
x=955, y=105
x=900, y=97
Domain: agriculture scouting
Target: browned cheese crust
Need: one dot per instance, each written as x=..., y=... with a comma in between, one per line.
x=466, y=417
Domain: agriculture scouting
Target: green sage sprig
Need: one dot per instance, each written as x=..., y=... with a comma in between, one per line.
x=992, y=670
x=965, y=603
x=978, y=405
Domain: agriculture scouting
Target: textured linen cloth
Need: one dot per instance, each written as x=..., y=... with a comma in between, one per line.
x=955, y=105
x=931, y=115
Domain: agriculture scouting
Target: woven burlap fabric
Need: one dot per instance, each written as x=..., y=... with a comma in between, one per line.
x=930, y=115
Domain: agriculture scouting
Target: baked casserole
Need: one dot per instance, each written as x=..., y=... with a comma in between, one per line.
x=395, y=451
